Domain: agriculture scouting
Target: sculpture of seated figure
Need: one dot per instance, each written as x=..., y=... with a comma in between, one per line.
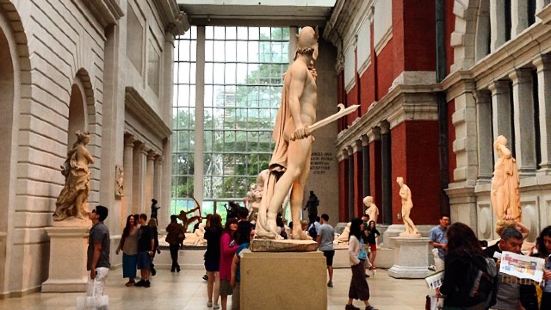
x=196, y=238
x=343, y=238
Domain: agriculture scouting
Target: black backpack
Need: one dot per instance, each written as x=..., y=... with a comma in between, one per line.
x=312, y=231
x=483, y=272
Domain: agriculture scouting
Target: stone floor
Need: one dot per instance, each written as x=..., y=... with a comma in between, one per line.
x=186, y=290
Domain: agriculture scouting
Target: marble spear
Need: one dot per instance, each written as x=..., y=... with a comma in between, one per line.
x=331, y=118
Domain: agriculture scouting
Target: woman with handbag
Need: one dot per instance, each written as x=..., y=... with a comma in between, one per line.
x=129, y=246
x=357, y=254
x=174, y=231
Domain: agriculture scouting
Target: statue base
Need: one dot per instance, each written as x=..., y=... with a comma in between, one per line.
x=411, y=258
x=68, y=246
x=298, y=280
x=283, y=245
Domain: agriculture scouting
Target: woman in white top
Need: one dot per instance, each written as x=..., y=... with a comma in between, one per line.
x=357, y=254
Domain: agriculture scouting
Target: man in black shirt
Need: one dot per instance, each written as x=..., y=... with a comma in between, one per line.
x=98, y=251
x=146, y=248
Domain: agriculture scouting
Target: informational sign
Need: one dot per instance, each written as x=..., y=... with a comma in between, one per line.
x=521, y=266
x=320, y=162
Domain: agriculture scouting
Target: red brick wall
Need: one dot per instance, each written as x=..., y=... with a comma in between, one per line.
x=398, y=35
x=419, y=35
x=351, y=98
x=386, y=73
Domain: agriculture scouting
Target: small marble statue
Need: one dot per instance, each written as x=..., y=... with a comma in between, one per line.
x=504, y=192
x=290, y=162
x=343, y=238
x=73, y=198
x=407, y=205
x=196, y=238
x=119, y=182
x=371, y=209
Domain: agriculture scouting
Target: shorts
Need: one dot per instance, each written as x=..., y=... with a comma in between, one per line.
x=212, y=265
x=144, y=261
x=225, y=287
x=329, y=257
x=373, y=247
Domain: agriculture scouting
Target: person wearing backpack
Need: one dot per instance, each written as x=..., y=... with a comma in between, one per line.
x=469, y=278
x=512, y=296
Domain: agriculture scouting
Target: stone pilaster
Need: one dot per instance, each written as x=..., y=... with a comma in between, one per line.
x=519, y=16
x=523, y=106
x=138, y=181
x=484, y=135
x=386, y=174
x=128, y=168
x=497, y=24
x=543, y=66
x=149, y=171
x=501, y=110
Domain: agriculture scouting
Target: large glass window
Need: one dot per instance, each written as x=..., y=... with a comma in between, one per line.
x=244, y=69
x=183, y=121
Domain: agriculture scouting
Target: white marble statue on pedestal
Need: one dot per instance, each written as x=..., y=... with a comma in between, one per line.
x=407, y=205
x=371, y=209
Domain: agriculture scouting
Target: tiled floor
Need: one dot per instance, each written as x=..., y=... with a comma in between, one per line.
x=186, y=290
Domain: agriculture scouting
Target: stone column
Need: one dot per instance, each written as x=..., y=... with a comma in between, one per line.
x=358, y=176
x=525, y=135
x=350, y=182
x=138, y=181
x=386, y=173
x=484, y=132
x=149, y=171
x=501, y=111
x=519, y=16
x=366, y=190
x=128, y=168
x=157, y=177
x=497, y=24
x=543, y=66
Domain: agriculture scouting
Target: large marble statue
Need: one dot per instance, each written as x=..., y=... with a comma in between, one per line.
x=505, y=195
x=73, y=198
x=290, y=163
x=371, y=209
x=407, y=205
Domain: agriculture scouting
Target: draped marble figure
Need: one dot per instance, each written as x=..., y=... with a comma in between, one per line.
x=504, y=192
x=73, y=198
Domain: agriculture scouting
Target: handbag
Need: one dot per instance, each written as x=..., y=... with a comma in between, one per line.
x=92, y=302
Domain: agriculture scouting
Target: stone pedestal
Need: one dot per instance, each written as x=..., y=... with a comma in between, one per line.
x=68, y=247
x=284, y=280
x=411, y=258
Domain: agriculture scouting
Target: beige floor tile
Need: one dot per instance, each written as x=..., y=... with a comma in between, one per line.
x=187, y=291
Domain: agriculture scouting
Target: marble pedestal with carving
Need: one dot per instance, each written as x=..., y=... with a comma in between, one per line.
x=68, y=247
x=288, y=280
x=411, y=258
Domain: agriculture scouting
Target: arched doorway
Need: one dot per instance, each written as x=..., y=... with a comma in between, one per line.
x=77, y=115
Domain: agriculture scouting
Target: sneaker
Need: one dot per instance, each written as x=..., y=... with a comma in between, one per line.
x=129, y=283
x=351, y=307
x=432, y=267
x=153, y=271
x=330, y=284
x=205, y=277
x=140, y=283
x=209, y=304
x=216, y=306
x=370, y=307
x=147, y=284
